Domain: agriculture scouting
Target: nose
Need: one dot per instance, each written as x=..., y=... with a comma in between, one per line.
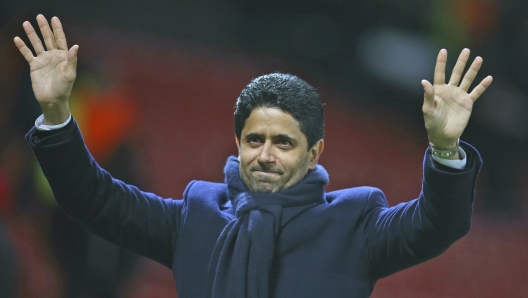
x=266, y=153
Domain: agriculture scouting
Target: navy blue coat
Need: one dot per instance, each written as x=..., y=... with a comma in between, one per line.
x=336, y=249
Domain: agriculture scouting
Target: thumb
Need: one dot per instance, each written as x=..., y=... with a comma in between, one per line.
x=71, y=66
x=428, y=105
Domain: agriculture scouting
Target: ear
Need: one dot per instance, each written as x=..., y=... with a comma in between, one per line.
x=314, y=153
x=237, y=141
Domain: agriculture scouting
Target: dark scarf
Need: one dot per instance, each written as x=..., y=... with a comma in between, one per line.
x=242, y=258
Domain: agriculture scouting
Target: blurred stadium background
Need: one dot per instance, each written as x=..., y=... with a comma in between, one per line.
x=157, y=82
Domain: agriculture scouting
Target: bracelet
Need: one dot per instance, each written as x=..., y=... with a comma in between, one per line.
x=444, y=153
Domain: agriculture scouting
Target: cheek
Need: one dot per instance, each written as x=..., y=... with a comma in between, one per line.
x=295, y=165
x=246, y=157
x=248, y=153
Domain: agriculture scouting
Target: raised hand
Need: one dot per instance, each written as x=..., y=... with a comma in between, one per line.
x=53, y=70
x=447, y=107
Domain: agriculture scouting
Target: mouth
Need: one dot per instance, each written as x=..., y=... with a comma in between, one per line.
x=266, y=172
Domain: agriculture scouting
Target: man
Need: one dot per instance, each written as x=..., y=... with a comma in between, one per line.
x=270, y=230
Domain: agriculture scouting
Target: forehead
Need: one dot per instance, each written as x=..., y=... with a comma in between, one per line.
x=272, y=121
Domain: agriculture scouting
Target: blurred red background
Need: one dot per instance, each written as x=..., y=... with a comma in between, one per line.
x=186, y=98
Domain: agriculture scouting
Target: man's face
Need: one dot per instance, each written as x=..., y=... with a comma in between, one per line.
x=273, y=152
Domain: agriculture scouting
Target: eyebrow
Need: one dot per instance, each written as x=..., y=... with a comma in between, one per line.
x=281, y=136
x=284, y=137
x=252, y=135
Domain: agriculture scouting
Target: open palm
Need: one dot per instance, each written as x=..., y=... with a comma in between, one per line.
x=53, y=70
x=447, y=107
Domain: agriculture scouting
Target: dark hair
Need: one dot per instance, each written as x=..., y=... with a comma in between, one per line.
x=288, y=93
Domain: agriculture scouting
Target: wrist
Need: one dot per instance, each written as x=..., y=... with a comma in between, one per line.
x=444, y=144
x=451, y=153
x=55, y=113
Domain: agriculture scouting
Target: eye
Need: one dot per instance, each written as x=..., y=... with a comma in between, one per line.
x=254, y=141
x=285, y=144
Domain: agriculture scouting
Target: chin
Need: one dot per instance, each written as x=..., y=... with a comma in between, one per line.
x=264, y=188
x=261, y=186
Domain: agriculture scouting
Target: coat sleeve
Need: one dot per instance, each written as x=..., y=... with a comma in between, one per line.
x=413, y=232
x=120, y=213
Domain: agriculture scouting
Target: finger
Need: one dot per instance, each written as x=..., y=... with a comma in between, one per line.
x=33, y=38
x=471, y=74
x=439, y=74
x=477, y=91
x=49, y=38
x=60, y=37
x=458, y=70
x=24, y=50
x=428, y=105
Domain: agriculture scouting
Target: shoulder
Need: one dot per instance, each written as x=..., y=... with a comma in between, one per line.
x=364, y=196
x=352, y=206
x=204, y=192
x=201, y=188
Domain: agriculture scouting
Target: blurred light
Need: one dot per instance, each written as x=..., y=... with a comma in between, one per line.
x=398, y=57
